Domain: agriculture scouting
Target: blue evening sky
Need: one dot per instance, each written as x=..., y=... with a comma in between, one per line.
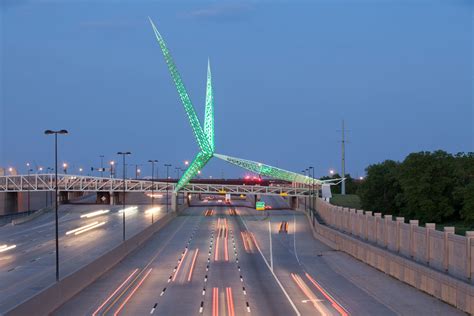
x=285, y=74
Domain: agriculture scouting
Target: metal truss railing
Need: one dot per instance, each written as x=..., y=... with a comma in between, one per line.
x=76, y=183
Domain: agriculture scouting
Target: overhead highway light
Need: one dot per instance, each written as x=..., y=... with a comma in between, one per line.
x=4, y=248
x=96, y=213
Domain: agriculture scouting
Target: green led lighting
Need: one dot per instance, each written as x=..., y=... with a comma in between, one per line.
x=183, y=94
x=209, y=111
x=205, y=136
x=269, y=171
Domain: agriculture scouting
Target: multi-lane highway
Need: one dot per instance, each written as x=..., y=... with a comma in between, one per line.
x=85, y=233
x=226, y=260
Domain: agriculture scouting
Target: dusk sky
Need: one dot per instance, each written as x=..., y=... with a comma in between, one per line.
x=285, y=73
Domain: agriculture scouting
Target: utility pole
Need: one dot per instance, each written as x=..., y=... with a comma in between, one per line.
x=343, y=160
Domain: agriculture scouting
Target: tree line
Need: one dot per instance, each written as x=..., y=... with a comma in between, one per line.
x=428, y=186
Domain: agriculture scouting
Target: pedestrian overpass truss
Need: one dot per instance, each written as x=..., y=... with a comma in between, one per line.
x=75, y=183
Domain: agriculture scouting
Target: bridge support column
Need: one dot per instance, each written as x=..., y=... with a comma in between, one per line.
x=9, y=202
x=74, y=195
x=103, y=198
x=63, y=197
x=174, y=202
x=187, y=199
x=293, y=201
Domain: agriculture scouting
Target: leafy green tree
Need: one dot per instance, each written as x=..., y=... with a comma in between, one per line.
x=380, y=190
x=428, y=182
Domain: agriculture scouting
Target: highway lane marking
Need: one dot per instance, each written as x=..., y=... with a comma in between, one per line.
x=271, y=246
x=294, y=239
x=273, y=273
x=328, y=296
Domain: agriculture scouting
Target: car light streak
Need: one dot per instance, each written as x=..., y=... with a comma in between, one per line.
x=4, y=248
x=215, y=301
x=192, y=265
x=152, y=210
x=129, y=210
x=226, y=250
x=81, y=228
x=179, y=265
x=309, y=294
x=132, y=293
x=96, y=213
x=230, y=302
x=328, y=296
x=216, y=252
x=89, y=228
x=115, y=292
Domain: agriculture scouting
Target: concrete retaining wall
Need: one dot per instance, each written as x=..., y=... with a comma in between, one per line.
x=426, y=279
x=443, y=251
x=57, y=294
x=438, y=263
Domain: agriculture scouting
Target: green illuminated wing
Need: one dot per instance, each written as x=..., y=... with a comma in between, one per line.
x=209, y=112
x=198, y=163
x=268, y=171
x=188, y=106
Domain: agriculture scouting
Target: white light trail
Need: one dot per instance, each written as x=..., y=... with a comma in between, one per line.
x=89, y=228
x=129, y=210
x=81, y=228
x=153, y=210
x=96, y=213
x=4, y=248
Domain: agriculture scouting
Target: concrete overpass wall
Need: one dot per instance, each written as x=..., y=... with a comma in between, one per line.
x=437, y=262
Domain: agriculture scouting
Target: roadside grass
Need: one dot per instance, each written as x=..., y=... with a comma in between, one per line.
x=348, y=200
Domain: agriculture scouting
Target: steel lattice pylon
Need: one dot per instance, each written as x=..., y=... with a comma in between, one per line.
x=205, y=137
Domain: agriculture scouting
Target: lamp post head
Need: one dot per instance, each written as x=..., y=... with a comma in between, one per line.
x=49, y=132
x=124, y=153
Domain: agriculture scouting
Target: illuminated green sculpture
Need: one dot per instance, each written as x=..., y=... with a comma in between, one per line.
x=205, y=137
x=269, y=171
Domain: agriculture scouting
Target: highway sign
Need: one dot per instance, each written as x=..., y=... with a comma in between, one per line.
x=260, y=206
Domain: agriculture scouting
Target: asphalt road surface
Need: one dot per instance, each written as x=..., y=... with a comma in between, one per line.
x=227, y=260
x=30, y=266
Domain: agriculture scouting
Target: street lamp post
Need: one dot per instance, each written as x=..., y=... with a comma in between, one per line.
x=112, y=164
x=311, y=203
x=125, y=153
x=152, y=185
x=101, y=166
x=55, y=133
x=29, y=181
x=167, y=165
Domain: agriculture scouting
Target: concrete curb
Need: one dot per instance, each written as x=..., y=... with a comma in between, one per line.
x=31, y=217
x=51, y=298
